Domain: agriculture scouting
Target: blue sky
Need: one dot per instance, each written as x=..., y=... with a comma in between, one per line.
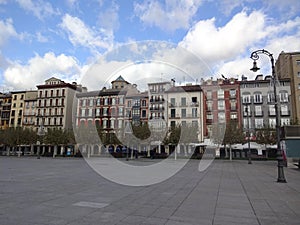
x=40, y=39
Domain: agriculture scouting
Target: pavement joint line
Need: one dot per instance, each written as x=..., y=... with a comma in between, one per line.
x=244, y=189
x=197, y=183
x=218, y=193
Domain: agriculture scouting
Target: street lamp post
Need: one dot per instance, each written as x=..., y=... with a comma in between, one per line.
x=248, y=135
x=255, y=56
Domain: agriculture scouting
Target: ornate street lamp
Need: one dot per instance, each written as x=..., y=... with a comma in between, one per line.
x=280, y=164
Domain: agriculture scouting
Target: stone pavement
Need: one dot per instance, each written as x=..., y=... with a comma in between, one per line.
x=66, y=191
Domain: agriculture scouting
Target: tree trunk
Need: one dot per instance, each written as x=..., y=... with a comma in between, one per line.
x=230, y=153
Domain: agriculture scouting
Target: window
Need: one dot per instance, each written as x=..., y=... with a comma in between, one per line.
x=221, y=117
x=209, y=116
x=173, y=113
x=271, y=97
x=82, y=112
x=298, y=62
x=105, y=101
x=233, y=115
x=272, y=122
x=91, y=102
x=232, y=105
x=247, y=123
x=172, y=100
x=51, y=93
x=113, y=101
x=194, y=123
x=299, y=86
x=209, y=95
x=183, y=101
x=129, y=103
x=247, y=111
x=194, y=100
x=283, y=96
x=144, y=113
x=121, y=100
x=220, y=93
x=257, y=97
x=194, y=112
x=298, y=74
x=285, y=121
x=173, y=124
x=136, y=112
x=57, y=92
x=63, y=92
x=183, y=113
x=221, y=105
x=259, y=123
x=246, y=98
x=120, y=124
x=83, y=102
x=90, y=112
x=258, y=110
x=209, y=105
x=232, y=93
x=121, y=111
x=272, y=110
x=284, y=110
x=183, y=123
x=144, y=103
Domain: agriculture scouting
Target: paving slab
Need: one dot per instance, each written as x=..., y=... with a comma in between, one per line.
x=61, y=191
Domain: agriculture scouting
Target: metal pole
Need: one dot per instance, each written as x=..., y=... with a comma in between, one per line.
x=254, y=56
x=280, y=178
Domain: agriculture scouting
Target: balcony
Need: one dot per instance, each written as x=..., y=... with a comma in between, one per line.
x=258, y=113
x=285, y=113
x=272, y=113
x=194, y=104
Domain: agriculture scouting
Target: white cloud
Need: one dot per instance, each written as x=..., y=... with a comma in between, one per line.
x=41, y=38
x=213, y=43
x=227, y=49
x=7, y=30
x=81, y=35
x=40, y=9
x=38, y=69
x=173, y=15
x=109, y=19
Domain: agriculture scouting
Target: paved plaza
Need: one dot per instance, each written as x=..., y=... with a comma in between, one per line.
x=66, y=191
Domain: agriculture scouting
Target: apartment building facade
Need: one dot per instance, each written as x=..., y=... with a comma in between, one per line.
x=221, y=103
x=185, y=107
x=55, y=103
x=258, y=105
x=104, y=108
x=29, y=115
x=288, y=66
x=5, y=108
x=158, y=104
